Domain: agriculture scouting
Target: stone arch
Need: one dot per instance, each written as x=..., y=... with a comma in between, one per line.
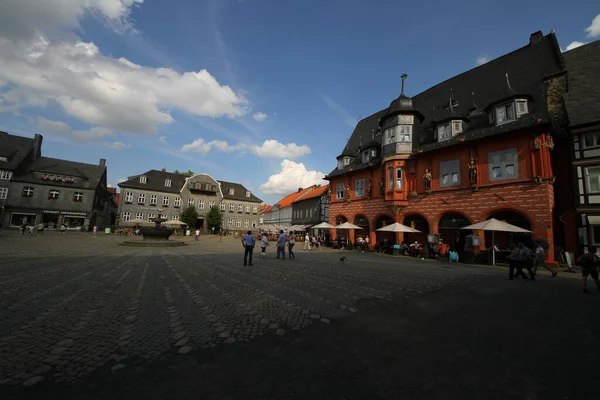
x=379, y=222
x=416, y=221
x=362, y=221
x=448, y=224
x=513, y=216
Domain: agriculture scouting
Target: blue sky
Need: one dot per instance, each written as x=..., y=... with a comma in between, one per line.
x=261, y=92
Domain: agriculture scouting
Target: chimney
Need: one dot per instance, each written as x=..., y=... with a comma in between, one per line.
x=102, y=162
x=536, y=38
x=300, y=189
x=37, y=146
x=164, y=170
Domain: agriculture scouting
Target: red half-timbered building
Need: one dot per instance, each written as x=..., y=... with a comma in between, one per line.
x=474, y=147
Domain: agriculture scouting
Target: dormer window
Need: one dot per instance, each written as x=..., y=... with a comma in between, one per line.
x=509, y=111
x=167, y=182
x=346, y=161
x=444, y=132
x=522, y=108
x=231, y=191
x=247, y=194
x=399, y=133
x=456, y=127
x=365, y=156
x=142, y=179
x=208, y=187
x=340, y=164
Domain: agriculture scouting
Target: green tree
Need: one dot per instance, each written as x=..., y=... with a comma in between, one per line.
x=214, y=219
x=189, y=216
x=189, y=173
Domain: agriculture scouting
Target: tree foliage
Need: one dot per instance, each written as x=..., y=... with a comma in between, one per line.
x=189, y=173
x=214, y=218
x=189, y=216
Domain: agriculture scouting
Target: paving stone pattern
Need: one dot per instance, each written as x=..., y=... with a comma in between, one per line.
x=72, y=304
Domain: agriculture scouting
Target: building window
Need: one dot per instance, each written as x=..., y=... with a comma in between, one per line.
x=6, y=175
x=389, y=136
x=142, y=179
x=139, y=215
x=339, y=191
x=390, y=179
x=128, y=197
x=165, y=201
x=503, y=164
x=208, y=187
x=365, y=156
x=190, y=202
x=126, y=216
x=211, y=204
x=373, y=153
x=151, y=217
x=231, y=207
x=230, y=222
x=152, y=199
x=240, y=207
x=141, y=198
x=246, y=224
x=177, y=202
x=238, y=223
x=2, y=158
x=404, y=134
x=398, y=178
x=167, y=182
x=175, y=217
x=248, y=194
x=3, y=193
x=231, y=191
x=505, y=113
x=254, y=210
x=53, y=194
x=593, y=180
x=456, y=127
x=248, y=209
x=77, y=196
x=450, y=173
x=591, y=140
x=340, y=164
x=201, y=204
x=359, y=188
x=444, y=132
x=27, y=192
x=222, y=206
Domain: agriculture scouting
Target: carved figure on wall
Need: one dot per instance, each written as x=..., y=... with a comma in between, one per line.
x=348, y=194
x=549, y=142
x=427, y=180
x=381, y=187
x=369, y=187
x=473, y=172
x=537, y=143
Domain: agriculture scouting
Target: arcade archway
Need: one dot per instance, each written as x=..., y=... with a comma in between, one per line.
x=451, y=233
x=418, y=222
x=504, y=240
x=380, y=222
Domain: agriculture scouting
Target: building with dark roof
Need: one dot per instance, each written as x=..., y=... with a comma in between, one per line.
x=473, y=147
x=241, y=208
x=41, y=190
x=280, y=215
x=582, y=147
x=312, y=207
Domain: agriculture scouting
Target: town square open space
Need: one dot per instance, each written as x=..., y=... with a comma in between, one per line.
x=86, y=318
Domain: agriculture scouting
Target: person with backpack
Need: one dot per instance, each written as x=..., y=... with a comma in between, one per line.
x=588, y=263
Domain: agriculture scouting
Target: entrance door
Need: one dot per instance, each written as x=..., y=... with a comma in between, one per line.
x=451, y=233
x=200, y=224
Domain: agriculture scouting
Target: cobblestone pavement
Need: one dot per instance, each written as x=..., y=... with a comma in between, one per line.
x=72, y=304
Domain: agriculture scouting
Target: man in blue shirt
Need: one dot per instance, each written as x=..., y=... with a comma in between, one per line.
x=281, y=244
x=248, y=242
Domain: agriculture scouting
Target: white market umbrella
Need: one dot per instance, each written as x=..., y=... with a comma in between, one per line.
x=323, y=225
x=173, y=223
x=397, y=227
x=138, y=221
x=347, y=225
x=494, y=225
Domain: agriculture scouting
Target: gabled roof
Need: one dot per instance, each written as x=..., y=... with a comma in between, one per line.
x=15, y=149
x=520, y=72
x=289, y=199
x=87, y=175
x=265, y=208
x=315, y=192
x=583, y=97
x=155, y=181
x=239, y=192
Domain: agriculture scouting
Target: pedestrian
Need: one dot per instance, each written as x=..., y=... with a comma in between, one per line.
x=264, y=243
x=306, y=242
x=63, y=229
x=513, y=264
x=197, y=234
x=540, y=259
x=452, y=256
x=248, y=242
x=588, y=263
x=281, y=244
x=94, y=231
x=291, y=242
x=524, y=260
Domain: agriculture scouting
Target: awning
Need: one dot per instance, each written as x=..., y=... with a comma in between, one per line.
x=594, y=219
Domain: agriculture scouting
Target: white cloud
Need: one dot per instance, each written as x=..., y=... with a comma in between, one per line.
x=163, y=139
x=269, y=149
x=116, y=146
x=94, y=133
x=121, y=180
x=574, y=45
x=291, y=177
x=260, y=116
x=38, y=70
x=482, y=60
x=594, y=29
x=344, y=115
x=53, y=126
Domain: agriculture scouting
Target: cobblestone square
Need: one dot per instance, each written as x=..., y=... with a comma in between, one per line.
x=74, y=305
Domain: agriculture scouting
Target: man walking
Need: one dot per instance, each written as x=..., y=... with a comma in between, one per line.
x=306, y=242
x=524, y=261
x=588, y=263
x=248, y=242
x=281, y=244
x=291, y=242
x=540, y=259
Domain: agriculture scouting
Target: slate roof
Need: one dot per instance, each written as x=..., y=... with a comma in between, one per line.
x=473, y=91
x=315, y=192
x=239, y=192
x=155, y=181
x=15, y=149
x=583, y=97
x=289, y=199
x=87, y=176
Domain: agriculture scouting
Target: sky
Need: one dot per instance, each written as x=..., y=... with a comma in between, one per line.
x=261, y=92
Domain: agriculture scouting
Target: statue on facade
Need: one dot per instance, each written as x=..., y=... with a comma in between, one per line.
x=348, y=194
x=381, y=187
x=427, y=180
x=472, y=172
x=369, y=187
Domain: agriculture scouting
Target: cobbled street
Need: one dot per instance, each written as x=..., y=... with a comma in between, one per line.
x=83, y=317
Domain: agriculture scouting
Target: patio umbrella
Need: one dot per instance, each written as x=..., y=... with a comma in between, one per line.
x=173, y=223
x=396, y=227
x=138, y=221
x=494, y=225
x=323, y=225
x=347, y=225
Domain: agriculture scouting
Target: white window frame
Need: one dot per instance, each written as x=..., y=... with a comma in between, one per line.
x=208, y=187
x=247, y=209
x=340, y=164
x=457, y=127
x=240, y=207
x=391, y=177
x=399, y=178
x=28, y=191
x=190, y=202
x=78, y=196
x=248, y=194
x=165, y=201
x=211, y=204
x=167, y=182
x=595, y=136
x=222, y=206
x=128, y=197
x=444, y=132
x=141, y=198
x=143, y=179
x=231, y=207
x=238, y=223
x=54, y=194
x=521, y=107
x=359, y=188
x=139, y=215
x=126, y=216
x=175, y=217
x=3, y=193
x=153, y=199
x=201, y=204
x=246, y=223
x=5, y=175
x=151, y=216
x=255, y=210
x=589, y=178
x=404, y=134
x=497, y=160
x=339, y=191
x=451, y=170
x=503, y=111
x=365, y=156
x=346, y=161
x=231, y=191
x=230, y=222
x=177, y=202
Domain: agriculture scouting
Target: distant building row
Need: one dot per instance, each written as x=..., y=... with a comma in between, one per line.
x=306, y=207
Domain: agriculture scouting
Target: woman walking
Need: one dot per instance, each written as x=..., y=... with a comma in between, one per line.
x=291, y=243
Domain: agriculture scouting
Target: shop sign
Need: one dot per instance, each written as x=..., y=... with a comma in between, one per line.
x=58, y=178
x=65, y=213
